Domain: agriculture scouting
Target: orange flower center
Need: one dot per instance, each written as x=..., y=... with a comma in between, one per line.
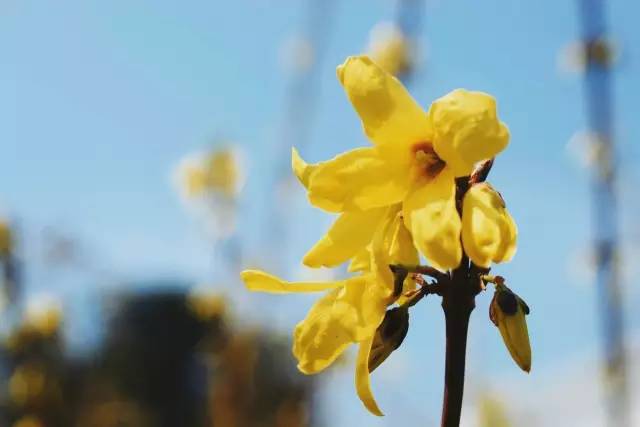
x=426, y=162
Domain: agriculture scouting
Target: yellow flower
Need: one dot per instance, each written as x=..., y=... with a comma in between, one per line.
x=390, y=49
x=415, y=158
x=352, y=309
x=214, y=171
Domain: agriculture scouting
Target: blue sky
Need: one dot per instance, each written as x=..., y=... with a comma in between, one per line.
x=99, y=100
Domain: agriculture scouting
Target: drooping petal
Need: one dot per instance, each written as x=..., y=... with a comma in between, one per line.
x=350, y=233
x=489, y=234
x=363, y=383
x=390, y=116
x=430, y=213
x=301, y=169
x=466, y=129
x=346, y=315
x=361, y=261
x=319, y=339
x=259, y=281
x=359, y=179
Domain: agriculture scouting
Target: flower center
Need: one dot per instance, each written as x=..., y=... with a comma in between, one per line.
x=426, y=161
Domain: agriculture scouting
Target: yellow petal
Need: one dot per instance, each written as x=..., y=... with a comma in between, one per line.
x=401, y=247
x=403, y=251
x=430, y=213
x=346, y=315
x=259, y=281
x=466, y=129
x=223, y=171
x=392, y=244
x=319, y=339
x=489, y=233
x=301, y=169
x=359, y=179
x=361, y=261
x=350, y=233
x=390, y=116
x=380, y=250
x=363, y=384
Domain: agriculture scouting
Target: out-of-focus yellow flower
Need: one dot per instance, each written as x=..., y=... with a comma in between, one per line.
x=43, y=314
x=6, y=238
x=492, y=413
x=28, y=421
x=414, y=161
x=390, y=49
x=209, y=184
x=215, y=171
x=26, y=383
x=352, y=309
x=206, y=305
x=508, y=312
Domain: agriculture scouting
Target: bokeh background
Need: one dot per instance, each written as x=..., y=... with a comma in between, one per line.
x=144, y=161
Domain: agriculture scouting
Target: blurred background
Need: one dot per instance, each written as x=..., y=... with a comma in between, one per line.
x=144, y=161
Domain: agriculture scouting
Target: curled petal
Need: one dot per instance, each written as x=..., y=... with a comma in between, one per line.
x=259, y=281
x=390, y=116
x=489, y=233
x=466, y=129
x=346, y=315
x=363, y=383
x=392, y=244
x=350, y=233
x=431, y=216
x=359, y=179
x=301, y=169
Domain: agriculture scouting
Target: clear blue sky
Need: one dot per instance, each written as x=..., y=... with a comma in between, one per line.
x=99, y=100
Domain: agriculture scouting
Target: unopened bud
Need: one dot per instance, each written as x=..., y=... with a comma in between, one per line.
x=507, y=311
x=389, y=336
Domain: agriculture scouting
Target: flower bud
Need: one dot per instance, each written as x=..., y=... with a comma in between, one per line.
x=389, y=336
x=507, y=311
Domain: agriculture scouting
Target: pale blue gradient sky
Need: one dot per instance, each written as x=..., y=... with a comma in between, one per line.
x=98, y=101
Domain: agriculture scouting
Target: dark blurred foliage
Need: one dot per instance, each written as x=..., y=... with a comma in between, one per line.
x=168, y=359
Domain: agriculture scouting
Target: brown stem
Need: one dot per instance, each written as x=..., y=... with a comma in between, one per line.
x=457, y=303
x=457, y=325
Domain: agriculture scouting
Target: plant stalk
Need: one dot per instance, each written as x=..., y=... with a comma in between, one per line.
x=457, y=324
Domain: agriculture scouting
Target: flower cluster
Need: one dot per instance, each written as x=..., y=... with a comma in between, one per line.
x=397, y=199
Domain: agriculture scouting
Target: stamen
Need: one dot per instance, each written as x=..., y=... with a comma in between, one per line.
x=427, y=161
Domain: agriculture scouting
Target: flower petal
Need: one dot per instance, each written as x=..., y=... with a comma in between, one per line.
x=489, y=234
x=259, y=281
x=430, y=213
x=390, y=116
x=363, y=384
x=350, y=233
x=346, y=315
x=301, y=169
x=361, y=261
x=319, y=339
x=359, y=179
x=466, y=129
x=392, y=244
